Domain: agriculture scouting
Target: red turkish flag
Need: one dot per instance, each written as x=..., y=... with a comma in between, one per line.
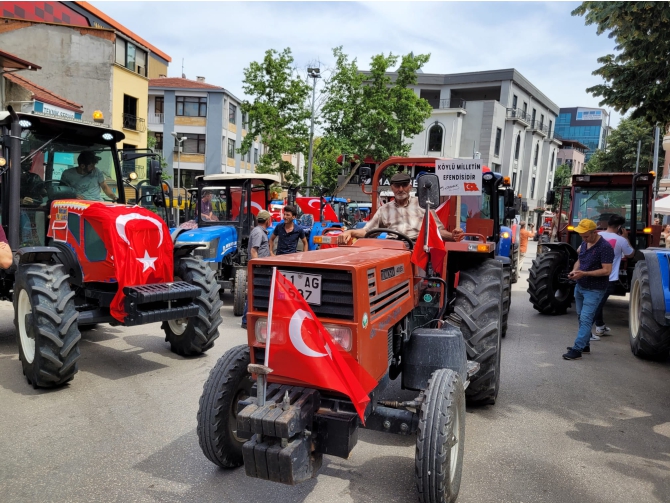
x=442, y=212
x=470, y=187
x=257, y=202
x=311, y=206
x=435, y=244
x=138, y=244
x=301, y=348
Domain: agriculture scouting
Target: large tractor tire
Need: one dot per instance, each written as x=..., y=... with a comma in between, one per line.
x=506, y=298
x=46, y=325
x=547, y=294
x=514, y=269
x=648, y=339
x=227, y=384
x=240, y=291
x=194, y=336
x=441, y=439
x=477, y=302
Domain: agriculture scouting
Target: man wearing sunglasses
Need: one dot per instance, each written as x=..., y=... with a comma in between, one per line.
x=403, y=214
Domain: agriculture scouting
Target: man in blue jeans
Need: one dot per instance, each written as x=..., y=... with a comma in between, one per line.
x=591, y=271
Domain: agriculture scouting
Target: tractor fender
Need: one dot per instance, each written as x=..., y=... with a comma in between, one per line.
x=658, y=264
x=68, y=257
x=36, y=254
x=570, y=253
x=505, y=261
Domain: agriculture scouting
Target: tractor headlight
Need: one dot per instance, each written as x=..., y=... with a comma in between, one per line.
x=341, y=335
x=261, y=330
x=505, y=235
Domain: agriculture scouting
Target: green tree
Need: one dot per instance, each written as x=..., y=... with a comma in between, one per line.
x=621, y=152
x=637, y=76
x=562, y=176
x=325, y=165
x=371, y=114
x=278, y=112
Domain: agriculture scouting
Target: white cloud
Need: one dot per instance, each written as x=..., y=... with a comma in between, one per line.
x=551, y=48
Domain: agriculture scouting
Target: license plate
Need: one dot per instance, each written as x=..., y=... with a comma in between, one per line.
x=309, y=285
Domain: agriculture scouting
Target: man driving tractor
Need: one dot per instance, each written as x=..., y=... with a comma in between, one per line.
x=403, y=214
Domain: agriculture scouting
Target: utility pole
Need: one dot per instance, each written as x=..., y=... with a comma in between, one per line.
x=313, y=73
x=180, y=140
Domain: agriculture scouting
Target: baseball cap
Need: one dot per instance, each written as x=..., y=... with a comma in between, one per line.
x=263, y=216
x=400, y=178
x=88, y=157
x=585, y=225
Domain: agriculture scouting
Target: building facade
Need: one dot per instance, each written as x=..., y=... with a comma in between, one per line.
x=496, y=115
x=572, y=153
x=589, y=126
x=211, y=120
x=88, y=57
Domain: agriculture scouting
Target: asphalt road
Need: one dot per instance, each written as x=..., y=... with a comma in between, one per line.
x=589, y=431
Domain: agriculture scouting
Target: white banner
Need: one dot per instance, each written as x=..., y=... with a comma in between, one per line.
x=459, y=177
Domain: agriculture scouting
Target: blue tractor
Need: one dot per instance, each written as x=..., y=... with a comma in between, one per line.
x=222, y=214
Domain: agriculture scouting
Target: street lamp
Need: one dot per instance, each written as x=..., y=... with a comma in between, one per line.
x=180, y=140
x=313, y=73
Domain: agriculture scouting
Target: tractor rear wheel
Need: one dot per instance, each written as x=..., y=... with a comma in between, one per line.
x=648, y=339
x=46, y=325
x=193, y=336
x=547, y=294
x=227, y=384
x=441, y=438
x=506, y=298
x=240, y=291
x=477, y=302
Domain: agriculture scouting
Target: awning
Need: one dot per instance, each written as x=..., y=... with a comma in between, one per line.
x=11, y=62
x=662, y=206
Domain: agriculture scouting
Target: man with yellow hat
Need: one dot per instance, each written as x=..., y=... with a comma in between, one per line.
x=591, y=271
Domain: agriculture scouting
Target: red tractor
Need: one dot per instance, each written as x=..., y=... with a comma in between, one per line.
x=438, y=331
x=81, y=260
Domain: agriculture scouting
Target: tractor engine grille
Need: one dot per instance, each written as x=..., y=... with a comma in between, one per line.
x=390, y=345
x=391, y=296
x=337, y=294
x=372, y=283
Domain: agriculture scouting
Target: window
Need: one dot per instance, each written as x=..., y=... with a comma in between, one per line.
x=525, y=107
x=244, y=120
x=128, y=167
x=131, y=56
x=159, y=141
x=551, y=124
x=534, y=114
x=160, y=104
x=255, y=156
x=514, y=181
x=532, y=188
x=94, y=247
x=231, y=148
x=517, y=148
x=520, y=179
x=515, y=99
x=129, y=112
x=541, y=120
x=496, y=151
x=496, y=167
x=194, y=144
x=435, y=138
x=551, y=166
x=190, y=106
x=232, y=114
x=537, y=154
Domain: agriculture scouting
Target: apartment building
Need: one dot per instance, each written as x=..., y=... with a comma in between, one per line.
x=496, y=115
x=209, y=117
x=572, y=153
x=589, y=126
x=88, y=57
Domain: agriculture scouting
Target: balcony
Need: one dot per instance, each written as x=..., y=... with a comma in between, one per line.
x=134, y=123
x=516, y=114
x=539, y=128
x=156, y=118
x=446, y=104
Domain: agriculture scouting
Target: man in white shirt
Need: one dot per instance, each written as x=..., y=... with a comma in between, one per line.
x=616, y=236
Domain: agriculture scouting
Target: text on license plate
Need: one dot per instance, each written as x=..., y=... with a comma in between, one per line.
x=309, y=285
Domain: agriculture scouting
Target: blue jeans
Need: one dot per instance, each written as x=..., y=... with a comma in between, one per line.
x=244, y=313
x=587, y=302
x=611, y=288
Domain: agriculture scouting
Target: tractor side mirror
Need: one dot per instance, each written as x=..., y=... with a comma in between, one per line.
x=428, y=190
x=551, y=198
x=155, y=172
x=509, y=198
x=510, y=213
x=364, y=172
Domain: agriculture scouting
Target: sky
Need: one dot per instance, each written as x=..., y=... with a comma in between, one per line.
x=555, y=51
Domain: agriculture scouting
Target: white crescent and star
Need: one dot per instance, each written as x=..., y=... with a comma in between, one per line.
x=147, y=261
x=295, y=334
x=254, y=204
x=314, y=201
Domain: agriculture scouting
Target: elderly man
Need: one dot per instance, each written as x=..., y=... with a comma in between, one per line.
x=403, y=214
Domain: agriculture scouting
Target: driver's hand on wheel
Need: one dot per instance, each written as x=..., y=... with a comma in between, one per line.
x=344, y=238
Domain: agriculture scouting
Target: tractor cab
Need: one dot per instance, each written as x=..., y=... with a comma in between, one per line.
x=221, y=211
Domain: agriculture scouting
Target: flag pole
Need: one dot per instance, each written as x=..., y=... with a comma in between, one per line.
x=270, y=309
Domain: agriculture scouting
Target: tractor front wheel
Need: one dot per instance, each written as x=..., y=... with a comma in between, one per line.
x=506, y=298
x=514, y=270
x=227, y=384
x=477, y=303
x=193, y=336
x=46, y=325
x=548, y=294
x=441, y=439
x=240, y=291
x=648, y=339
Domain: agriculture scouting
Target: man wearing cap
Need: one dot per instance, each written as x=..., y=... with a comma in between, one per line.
x=591, y=271
x=87, y=180
x=259, y=246
x=403, y=214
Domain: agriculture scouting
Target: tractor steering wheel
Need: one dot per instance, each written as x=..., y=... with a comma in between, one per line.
x=400, y=235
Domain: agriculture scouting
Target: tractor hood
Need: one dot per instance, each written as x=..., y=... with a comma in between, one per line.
x=221, y=240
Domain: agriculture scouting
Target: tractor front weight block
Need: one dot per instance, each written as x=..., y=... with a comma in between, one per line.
x=281, y=447
x=160, y=302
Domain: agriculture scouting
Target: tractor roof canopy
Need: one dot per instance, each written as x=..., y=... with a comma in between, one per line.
x=235, y=179
x=68, y=128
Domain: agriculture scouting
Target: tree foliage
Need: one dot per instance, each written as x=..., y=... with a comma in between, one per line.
x=562, y=176
x=325, y=165
x=637, y=77
x=372, y=114
x=621, y=152
x=278, y=112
